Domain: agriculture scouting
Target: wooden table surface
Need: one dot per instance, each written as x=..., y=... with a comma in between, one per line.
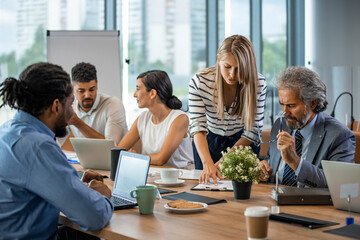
x=219, y=221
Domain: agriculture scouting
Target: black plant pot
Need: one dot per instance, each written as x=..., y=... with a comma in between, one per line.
x=241, y=190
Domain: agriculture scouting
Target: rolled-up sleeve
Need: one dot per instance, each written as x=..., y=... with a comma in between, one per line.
x=197, y=111
x=55, y=180
x=252, y=134
x=115, y=127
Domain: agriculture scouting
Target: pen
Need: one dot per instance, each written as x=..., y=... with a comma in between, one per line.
x=281, y=121
x=73, y=161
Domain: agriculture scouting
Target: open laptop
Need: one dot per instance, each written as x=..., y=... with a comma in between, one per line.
x=343, y=179
x=132, y=171
x=93, y=153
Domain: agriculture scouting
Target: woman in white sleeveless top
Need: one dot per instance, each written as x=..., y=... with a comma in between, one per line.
x=162, y=129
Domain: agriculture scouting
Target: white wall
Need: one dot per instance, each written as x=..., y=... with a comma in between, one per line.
x=333, y=39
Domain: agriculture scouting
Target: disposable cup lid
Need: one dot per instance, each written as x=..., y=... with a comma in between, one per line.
x=257, y=211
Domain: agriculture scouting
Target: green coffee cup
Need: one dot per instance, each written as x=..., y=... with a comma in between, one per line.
x=145, y=197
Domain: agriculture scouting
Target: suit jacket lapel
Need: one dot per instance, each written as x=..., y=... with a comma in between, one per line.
x=316, y=138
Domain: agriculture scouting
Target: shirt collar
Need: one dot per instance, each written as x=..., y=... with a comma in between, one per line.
x=35, y=122
x=308, y=129
x=93, y=108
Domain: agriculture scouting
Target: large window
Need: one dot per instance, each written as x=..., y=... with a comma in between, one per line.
x=168, y=35
x=233, y=18
x=23, y=25
x=273, y=53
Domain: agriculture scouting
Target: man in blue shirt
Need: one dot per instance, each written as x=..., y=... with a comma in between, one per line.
x=36, y=181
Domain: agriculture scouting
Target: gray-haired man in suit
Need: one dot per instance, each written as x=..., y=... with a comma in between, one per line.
x=306, y=135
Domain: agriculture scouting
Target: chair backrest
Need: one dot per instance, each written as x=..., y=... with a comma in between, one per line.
x=265, y=137
x=356, y=126
x=357, y=148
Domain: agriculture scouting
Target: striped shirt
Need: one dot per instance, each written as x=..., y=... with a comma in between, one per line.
x=203, y=114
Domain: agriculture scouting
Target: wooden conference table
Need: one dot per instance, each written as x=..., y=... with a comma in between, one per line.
x=219, y=221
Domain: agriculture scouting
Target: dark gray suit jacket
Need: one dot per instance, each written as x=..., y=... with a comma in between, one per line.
x=330, y=140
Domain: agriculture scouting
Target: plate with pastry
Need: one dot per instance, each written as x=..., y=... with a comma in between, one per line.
x=183, y=206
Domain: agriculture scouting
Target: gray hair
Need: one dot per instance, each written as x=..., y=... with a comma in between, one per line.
x=307, y=82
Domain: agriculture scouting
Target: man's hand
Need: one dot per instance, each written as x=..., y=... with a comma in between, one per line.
x=90, y=175
x=267, y=170
x=100, y=187
x=286, y=146
x=74, y=119
x=210, y=171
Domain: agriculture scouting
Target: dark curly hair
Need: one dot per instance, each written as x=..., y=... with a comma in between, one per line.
x=83, y=72
x=37, y=88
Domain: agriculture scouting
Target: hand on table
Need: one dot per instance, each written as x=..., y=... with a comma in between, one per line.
x=100, y=187
x=90, y=175
x=267, y=170
x=210, y=171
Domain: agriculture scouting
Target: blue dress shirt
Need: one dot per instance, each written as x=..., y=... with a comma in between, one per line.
x=36, y=182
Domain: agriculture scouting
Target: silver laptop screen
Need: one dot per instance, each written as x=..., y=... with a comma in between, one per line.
x=132, y=171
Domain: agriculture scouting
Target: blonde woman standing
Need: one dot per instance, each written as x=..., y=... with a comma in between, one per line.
x=226, y=104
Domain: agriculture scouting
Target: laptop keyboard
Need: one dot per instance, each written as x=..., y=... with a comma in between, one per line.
x=120, y=201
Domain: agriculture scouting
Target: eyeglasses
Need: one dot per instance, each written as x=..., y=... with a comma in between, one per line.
x=273, y=140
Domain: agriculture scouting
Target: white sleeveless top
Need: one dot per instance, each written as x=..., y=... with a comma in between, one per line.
x=153, y=136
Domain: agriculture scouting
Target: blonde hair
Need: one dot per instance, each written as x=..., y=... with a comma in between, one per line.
x=245, y=99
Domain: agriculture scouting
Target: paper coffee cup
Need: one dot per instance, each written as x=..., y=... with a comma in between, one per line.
x=257, y=219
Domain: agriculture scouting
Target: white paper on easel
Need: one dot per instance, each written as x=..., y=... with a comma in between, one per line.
x=349, y=189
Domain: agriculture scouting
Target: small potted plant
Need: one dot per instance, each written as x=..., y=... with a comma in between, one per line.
x=242, y=166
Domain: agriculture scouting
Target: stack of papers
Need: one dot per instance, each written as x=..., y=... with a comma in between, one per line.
x=72, y=157
x=223, y=185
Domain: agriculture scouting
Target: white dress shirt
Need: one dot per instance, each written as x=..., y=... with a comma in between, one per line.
x=107, y=116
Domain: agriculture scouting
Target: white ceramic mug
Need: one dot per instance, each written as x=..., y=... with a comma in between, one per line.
x=170, y=175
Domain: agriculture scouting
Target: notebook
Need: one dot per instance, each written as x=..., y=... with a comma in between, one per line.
x=132, y=171
x=300, y=221
x=194, y=198
x=301, y=196
x=93, y=153
x=343, y=180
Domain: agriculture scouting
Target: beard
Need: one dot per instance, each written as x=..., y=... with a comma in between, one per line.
x=87, y=105
x=61, y=131
x=61, y=126
x=299, y=123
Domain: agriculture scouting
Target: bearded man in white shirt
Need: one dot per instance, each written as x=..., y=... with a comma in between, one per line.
x=96, y=115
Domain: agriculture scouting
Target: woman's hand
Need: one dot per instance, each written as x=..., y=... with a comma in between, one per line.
x=210, y=171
